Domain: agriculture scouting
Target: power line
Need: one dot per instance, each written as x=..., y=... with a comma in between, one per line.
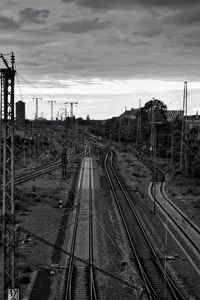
x=85, y=262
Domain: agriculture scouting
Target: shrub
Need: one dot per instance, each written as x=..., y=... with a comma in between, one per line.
x=33, y=188
x=27, y=269
x=189, y=190
x=25, y=280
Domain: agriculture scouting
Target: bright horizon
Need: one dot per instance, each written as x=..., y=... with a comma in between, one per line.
x=108, y=97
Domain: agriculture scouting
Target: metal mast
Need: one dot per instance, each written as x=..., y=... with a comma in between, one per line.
x=139, y=124
x=184, y=128
x=153, y=134
x=36, y=107
x=8, y=177
x=52, y=102
x=71, y=107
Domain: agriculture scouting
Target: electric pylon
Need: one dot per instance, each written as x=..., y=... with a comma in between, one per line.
x=184, y=130
x=8, y=176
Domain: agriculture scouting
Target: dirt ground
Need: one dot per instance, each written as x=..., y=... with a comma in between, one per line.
x=37, y=211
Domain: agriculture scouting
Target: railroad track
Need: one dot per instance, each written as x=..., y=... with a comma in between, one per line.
x=80, y=279
x=155, y=278
x=42, y=170
x=189, y=231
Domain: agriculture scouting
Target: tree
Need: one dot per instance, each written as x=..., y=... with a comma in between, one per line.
x=159, y=108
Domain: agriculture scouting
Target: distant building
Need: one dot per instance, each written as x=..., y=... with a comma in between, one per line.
x=172, y=115
x=20, y=114
x=130, y=114
x=193, y=121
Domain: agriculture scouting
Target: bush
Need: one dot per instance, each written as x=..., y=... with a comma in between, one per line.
x=18, y=205
x=189, y=190
x=27, y=269
x=25, y=280
x=33, y=188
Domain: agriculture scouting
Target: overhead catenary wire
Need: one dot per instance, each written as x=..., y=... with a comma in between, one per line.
x=62, y=227
x=125, y=258
x=56, y=247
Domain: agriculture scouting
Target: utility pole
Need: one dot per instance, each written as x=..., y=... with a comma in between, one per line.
x=184, y=129
x=152, y=128
x=8, y=185
x=24, y=150
x=76, y=135
x=154, y=149
x=36, y=107
x=72, y=103
x=119, y=130
x=139, y=124
x=52, y=102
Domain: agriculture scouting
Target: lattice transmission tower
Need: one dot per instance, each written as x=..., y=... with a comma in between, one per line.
x=7, y=172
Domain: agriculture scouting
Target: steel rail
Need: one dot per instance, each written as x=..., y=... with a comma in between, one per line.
x=176, y=293
x=150, y=291
x=173, y=288
x=194, y=227
x=93, y=291
x=69, y=273
x=42, y=170
x=175, y=222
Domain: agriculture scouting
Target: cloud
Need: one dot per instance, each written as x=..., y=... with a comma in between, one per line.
x=184, y=17
x=8, y=23
x=30, y=15
x=125, y=4
x=32, y=62
x=150, y=32
x=12, y=2
x=82, y=25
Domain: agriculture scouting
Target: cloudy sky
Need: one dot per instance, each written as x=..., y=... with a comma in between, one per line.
x=104, y=54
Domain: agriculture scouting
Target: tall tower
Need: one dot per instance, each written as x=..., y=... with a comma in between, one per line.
x=139, y=125
x=8, y=180
x=184, y=132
